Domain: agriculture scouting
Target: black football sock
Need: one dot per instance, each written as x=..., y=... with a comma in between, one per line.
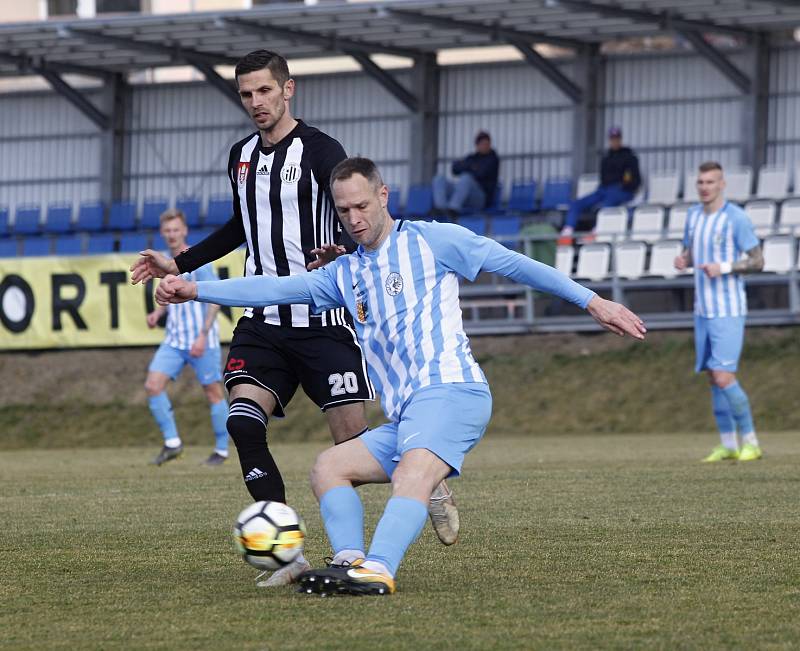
x=247, y=425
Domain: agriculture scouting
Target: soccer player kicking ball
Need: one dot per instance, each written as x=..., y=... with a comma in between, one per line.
x=401, y=286
x=716, y=235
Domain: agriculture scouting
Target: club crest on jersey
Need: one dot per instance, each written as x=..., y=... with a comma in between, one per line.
x=394, y=284
x=244, y=168
x=290, y=173
x=362, y=309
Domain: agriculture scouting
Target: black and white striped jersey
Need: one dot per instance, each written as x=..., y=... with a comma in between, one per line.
x=282, y=210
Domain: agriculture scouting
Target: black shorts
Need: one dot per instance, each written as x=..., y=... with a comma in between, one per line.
x=326, y=361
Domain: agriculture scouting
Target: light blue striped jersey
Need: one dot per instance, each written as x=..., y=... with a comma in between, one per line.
x=722, y=236
x=185, y=320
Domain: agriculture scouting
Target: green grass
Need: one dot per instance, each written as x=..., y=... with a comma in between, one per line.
x=568, y=542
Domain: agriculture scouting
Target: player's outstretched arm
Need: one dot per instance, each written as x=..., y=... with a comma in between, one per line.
x=152, y=264
x=174, y=289
x=616, y=318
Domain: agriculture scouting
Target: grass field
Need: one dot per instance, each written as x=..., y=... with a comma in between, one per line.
x=567, y=542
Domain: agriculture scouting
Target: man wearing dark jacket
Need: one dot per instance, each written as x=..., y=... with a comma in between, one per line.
x=476, y=180
x=619, y=180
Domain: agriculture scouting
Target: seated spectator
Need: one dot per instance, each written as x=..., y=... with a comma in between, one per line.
x=476, y=180
x=619, y=180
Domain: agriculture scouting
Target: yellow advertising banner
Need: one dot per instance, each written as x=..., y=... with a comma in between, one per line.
x=86, y=301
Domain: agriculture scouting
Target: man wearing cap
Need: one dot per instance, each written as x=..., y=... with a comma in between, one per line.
x=476, y=180
x=619, y=180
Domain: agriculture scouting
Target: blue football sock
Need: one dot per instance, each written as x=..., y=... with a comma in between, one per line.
x=724, y=417
x=740, y=407
x=219, y=418
x=399, y=526
x=161, y=409
x=343, y=516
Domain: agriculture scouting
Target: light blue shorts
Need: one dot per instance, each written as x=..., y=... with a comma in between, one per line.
x=718, y=343
x=170, y=361
x=447, y=419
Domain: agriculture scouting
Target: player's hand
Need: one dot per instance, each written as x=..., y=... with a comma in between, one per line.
x=616, y=318
x=712, y=269
x=681, y=264
x=152, y=264
x=199, y=346
x=152, y=318
x=325, y=254
x=173, y=289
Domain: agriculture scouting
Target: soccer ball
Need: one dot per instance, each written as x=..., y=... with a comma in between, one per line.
x=269, y=535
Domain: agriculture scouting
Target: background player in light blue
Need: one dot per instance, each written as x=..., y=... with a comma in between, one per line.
x=192, y=337
x=717, y=234
x=401, y=286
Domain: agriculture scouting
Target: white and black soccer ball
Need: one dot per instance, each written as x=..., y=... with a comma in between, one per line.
x=269, y=535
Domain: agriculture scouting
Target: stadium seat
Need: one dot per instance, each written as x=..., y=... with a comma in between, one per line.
x=738, y=183
x=191, y=209
x=100, y=243
x=9, y=247
x=196, y=236
x=662, y=259
x=790, y=216
x=762, y=214
x=59, y=218
x=648, y=223
x=122, y=216
x=523, y=197
x=593, y=261
x=158, y=243
x=3, y=222
x=36, y=246
x=796, y=182
x=565, y=256
x=690, y=186
x=151, y=213
x=220, y=210
x=778, y=254
x=587, y=183
x=133, y=242
x=90, y=217
x=676, y=223
x=506, y=228
x=663, y=186
x=557, y=194
x=611, y=224
x=773, y=182
x=394, y=205
x=475, y=223
x=630, y=258
x=495, y=207
x=69, y=245
x=26, y=220
x=420, y=201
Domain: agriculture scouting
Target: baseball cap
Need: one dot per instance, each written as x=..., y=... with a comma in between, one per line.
x=615, y=132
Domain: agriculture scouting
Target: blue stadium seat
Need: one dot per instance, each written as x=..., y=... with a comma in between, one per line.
x=199, y=235
x=69, y=245
x=90, y=217
x=496, y=207
x=158, y=243
x=122, y=216
x=151, y=213
x=557, y=194
x=101, y=243
x=475, y=223
x=134, y=242
x=3, y=222
x=190, y=208
x=59, y=218
x=8, y=247
x=523, y=197
x=420, y=201
x=26, y=221
x=219, y=211
x=394, y=206
x=505, y=226
x=36, y=246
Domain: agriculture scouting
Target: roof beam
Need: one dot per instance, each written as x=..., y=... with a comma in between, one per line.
x=222, y=85
x=664, y=20
x=549, y=70
x=404, y=96
x=25, y=63
x=331, y=43
x=100, y=119
x=719, y=61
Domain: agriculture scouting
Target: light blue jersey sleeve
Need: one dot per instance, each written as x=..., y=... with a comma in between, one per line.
x=743, y=234
x=317, y=288
x=467, y=254
x=206, y=272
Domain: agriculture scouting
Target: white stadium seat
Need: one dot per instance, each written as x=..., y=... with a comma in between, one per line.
x=630, y=257
x=648, y=223
x=762, y=214
x=796, y=183
x=790, y=216
x=738, y=183
x=677, y=221
x=663, y=186
x=593, y=261
x=690, y=186
x=773, y=182
x=662, y=259
x=565, y=255
x=778, y=254
x=587, y=183
x=611, y=222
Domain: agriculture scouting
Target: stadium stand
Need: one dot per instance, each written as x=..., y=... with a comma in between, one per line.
x=122, y=216
x=506, y=228
x=133, y=242
x=27, y=220
x=394, y=205
x=191, y=209
x=8, y=248
x=593, y=262
x=59, y=219
x=778, y=254
x=762, y=214
x=219, y=211
x=3, y=222
x=739, y=183
x=565, y=257
x=629, y=259
x=612, y=224
x=662, y=258
x=36, y=246
x=677, y=221
x=663, y=187
x=790, y=216
x=648, y=223
x=773, y=182
x=151, y=212
x=587, y=183
x=557, y=194
x=420, y=201
x=69, y=245
x=90, y=217
x=522, y=198
x=475, y=223
x=100, y=243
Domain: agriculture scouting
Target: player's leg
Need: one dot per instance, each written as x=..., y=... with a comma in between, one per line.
x=727, y=450
x=441, y=187
x=467, y=194
x=165, y=365
x=576, y=208
x=207, y=368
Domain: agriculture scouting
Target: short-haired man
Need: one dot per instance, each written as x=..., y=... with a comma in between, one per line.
x=476, y=180
x=717, y=233
x=191, y=337
x=401, y=285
